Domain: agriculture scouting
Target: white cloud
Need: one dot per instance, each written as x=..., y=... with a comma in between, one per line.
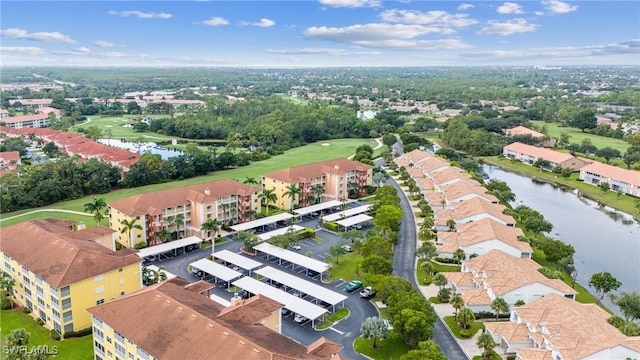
x=441, y=18
x=351, y=3
x=539, y=13
x=510, y=8
x=82, y=50
x=559, y=7
x=465, y=6
x=104, y=44
x=264, y=22
x=321, y=51
x=15, y=33
x=141, y=15
x=27, y=50
x=507, y=28
x=216, y=21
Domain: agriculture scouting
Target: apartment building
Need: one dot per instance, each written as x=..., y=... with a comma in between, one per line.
x=333, y=177
x=61, y=269
x=530, y=154
x=619, y=179
x=182, y=209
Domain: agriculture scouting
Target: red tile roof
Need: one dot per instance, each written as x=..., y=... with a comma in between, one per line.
x=305, y=173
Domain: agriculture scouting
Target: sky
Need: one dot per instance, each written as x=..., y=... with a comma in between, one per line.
x=319, y=33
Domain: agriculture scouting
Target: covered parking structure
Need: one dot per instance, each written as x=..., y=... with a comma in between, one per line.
x=169, y=246
x=293, y=303
x=317, y=207
x=345, y=214
x=268, y=235
x=306, y=287
x=249, y=225
x=237, y=259
x=294, y=258
x=350, y=221
x=219, y=272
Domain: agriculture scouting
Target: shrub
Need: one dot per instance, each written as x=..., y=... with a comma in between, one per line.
x=307, y=233
x=39, y=321
x=465, y=333
x=54, y=335
x=26, y=310
x=6, y=303
x=446, y=260
x=331, y=225
x=140, y=245
x=511, y=357
x=79, y=333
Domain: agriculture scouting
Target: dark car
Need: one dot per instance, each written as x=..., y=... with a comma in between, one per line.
x=282, y=222
x=285, y=311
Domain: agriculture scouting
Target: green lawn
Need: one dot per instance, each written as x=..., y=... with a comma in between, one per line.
x=297, y=156
x=118, y=131
x=333, y=318
x=69, y=349
x=346, y=269
x=453, y=325
x=390, y=349
x=610, y=198
x=576, y=136
x=424, y=279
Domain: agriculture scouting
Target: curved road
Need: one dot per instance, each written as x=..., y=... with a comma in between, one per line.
x=404, y=260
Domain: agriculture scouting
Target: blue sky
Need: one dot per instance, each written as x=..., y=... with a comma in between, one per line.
x=319, y=33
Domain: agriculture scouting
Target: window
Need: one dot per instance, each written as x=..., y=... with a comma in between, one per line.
x=65, y=291
x=97, y=322
x=120, y=350
x=66, y=303
x=97, y=333
x=120, y=270
x=101, y=301
x=56, y=314
x=99, y=290
x=98, y=277
x=121, y=293
x=68, y=316
x=99, y=347
x=143, y=354
x=40, y=290
x=119, y=337
x=68, y=328
x=121, y=281
x=109, y=340
x=40, y=302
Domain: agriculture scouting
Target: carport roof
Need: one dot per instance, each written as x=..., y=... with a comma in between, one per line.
x=293, y=303
x=260, y=222
x=282, y=231
x=347, y=213
x=317, y=207
x=236, y=259
x=354, y=220
x=304, y=286
x=293, y=257
x=213, y=268
x=168, y=246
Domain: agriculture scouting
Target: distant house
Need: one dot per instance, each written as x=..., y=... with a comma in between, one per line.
x=471, y=210
x=4, y=113
x=521, y=130
x=498, y=274
x=621, y=180
x=31, y=103
x=529, y=154
x=27, y=121
x=9, y=160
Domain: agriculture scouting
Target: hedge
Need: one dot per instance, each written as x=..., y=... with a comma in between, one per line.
x=79, y=333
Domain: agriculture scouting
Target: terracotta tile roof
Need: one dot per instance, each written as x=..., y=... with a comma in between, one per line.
x=510, y=331
x=47, y=110
x=435, y=163
x=155, y=202
x=32, y=101
x=462, y=188
x=539, y=153
x=417, y=155
x=471, y=207
x=19, y=119
x=59, y=256
x=449, y=174
x=9, y=156
x=305, y=173
x=576, y=330
x=251, y=311
x=484, y=230
x=192, y=328
x=521, y=130
x=415, y=173
x=505, y=273
x=425, y=184
x=199, y=286
x=461, y=279
x=402, y=162
x=475, y=297
x=323, y=348
x=613, y=172
x=534, y=354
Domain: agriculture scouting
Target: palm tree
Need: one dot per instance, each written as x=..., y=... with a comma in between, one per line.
x=428, y=267
x=128, y=226
x=95, y=207
x=440, y=280
x=250, y=214
x=268, y=196
x=250, y=180
x=178, y=221
x=443, y=202
x=317, y=190
x=457, y=303
x=292, y=191
x=459, y=256
x=486, y=343
x=425, y=233
x=499, y=305
x=465, y=317
x=211, y=226
x=163, y=234
x=17, y=338
x=451, y=224
x=379, y=177
x=374, y=328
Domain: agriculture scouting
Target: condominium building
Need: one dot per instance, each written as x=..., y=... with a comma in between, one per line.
x=619, y=179
x=318, y=182
x=60, y=270
x=182, y=209
x=176, y=320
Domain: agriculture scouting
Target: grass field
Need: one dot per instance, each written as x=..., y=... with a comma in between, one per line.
x=453, y=325
x=576, y=136
x=118, y=131
x=297, y=156
x=390, y=349
x=69, y=349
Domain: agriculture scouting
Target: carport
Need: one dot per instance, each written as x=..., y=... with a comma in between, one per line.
x=354, y=220
x=216, y=270
x=293, y=303
x=169, y=246
x=268, y=235
x=304, y=286
x=261, y=222
x=237, y=259
x=294, y=258
x=317, y=207
x=347, y=213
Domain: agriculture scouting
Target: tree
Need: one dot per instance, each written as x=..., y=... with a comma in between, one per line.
x=414, y=326
x=292, y=191
x=603, y=283
x=564, y=140
x=440, y=280
x=377, y=245
x=249, y=239
x=317, y=191
x=457, y=303
x=486, y=343
x=389, y=216
x=389, y=140
x=250, y=180
x=268, y=196
x=554, y=250
x=501, y=190
x=585, y=119
x=376, y=265
x=128, y=226
x=379, y=177
x=178, y=222
x=519, y=302
x=374, y=328
x=211, y=226
x=499, y=305
x=428, y=267
x=336, y=251
x=451, y=224
x=629, y=304
x=631, y=158
x=426, y=350
x=465, y=317
x=459, y=256
x=608, y=153
x=95, y=207
x=443, y=295
x=18, y=338
x=426, y=251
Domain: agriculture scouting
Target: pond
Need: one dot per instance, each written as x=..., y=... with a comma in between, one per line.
x=604, y=239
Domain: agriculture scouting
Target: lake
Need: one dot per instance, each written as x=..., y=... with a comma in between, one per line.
x=604, y=239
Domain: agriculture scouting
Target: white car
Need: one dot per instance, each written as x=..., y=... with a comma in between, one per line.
x=299, y=319
x=347, y=248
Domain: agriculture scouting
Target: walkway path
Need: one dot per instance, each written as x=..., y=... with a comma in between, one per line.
x=46, y=210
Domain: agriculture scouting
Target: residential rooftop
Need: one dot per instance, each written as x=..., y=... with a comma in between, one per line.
x=305, y=173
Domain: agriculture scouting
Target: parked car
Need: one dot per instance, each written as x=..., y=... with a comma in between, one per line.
x=354, y=285
x=197, y=272
x=311, y=273
x=299, y=319
x=347, y=248
x=282, y=222
x=358, y=226
x=151, y=258
x=314, y=214
x=285, y=311
x=294, y=247
x=367, y=292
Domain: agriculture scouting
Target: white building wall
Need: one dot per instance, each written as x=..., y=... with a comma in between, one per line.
x=486, y=246
x=618, y=352
x=529, y=293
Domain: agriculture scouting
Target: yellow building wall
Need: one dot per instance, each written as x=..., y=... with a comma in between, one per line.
x=115, y=223
x=105, y=340
x=279, y=188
